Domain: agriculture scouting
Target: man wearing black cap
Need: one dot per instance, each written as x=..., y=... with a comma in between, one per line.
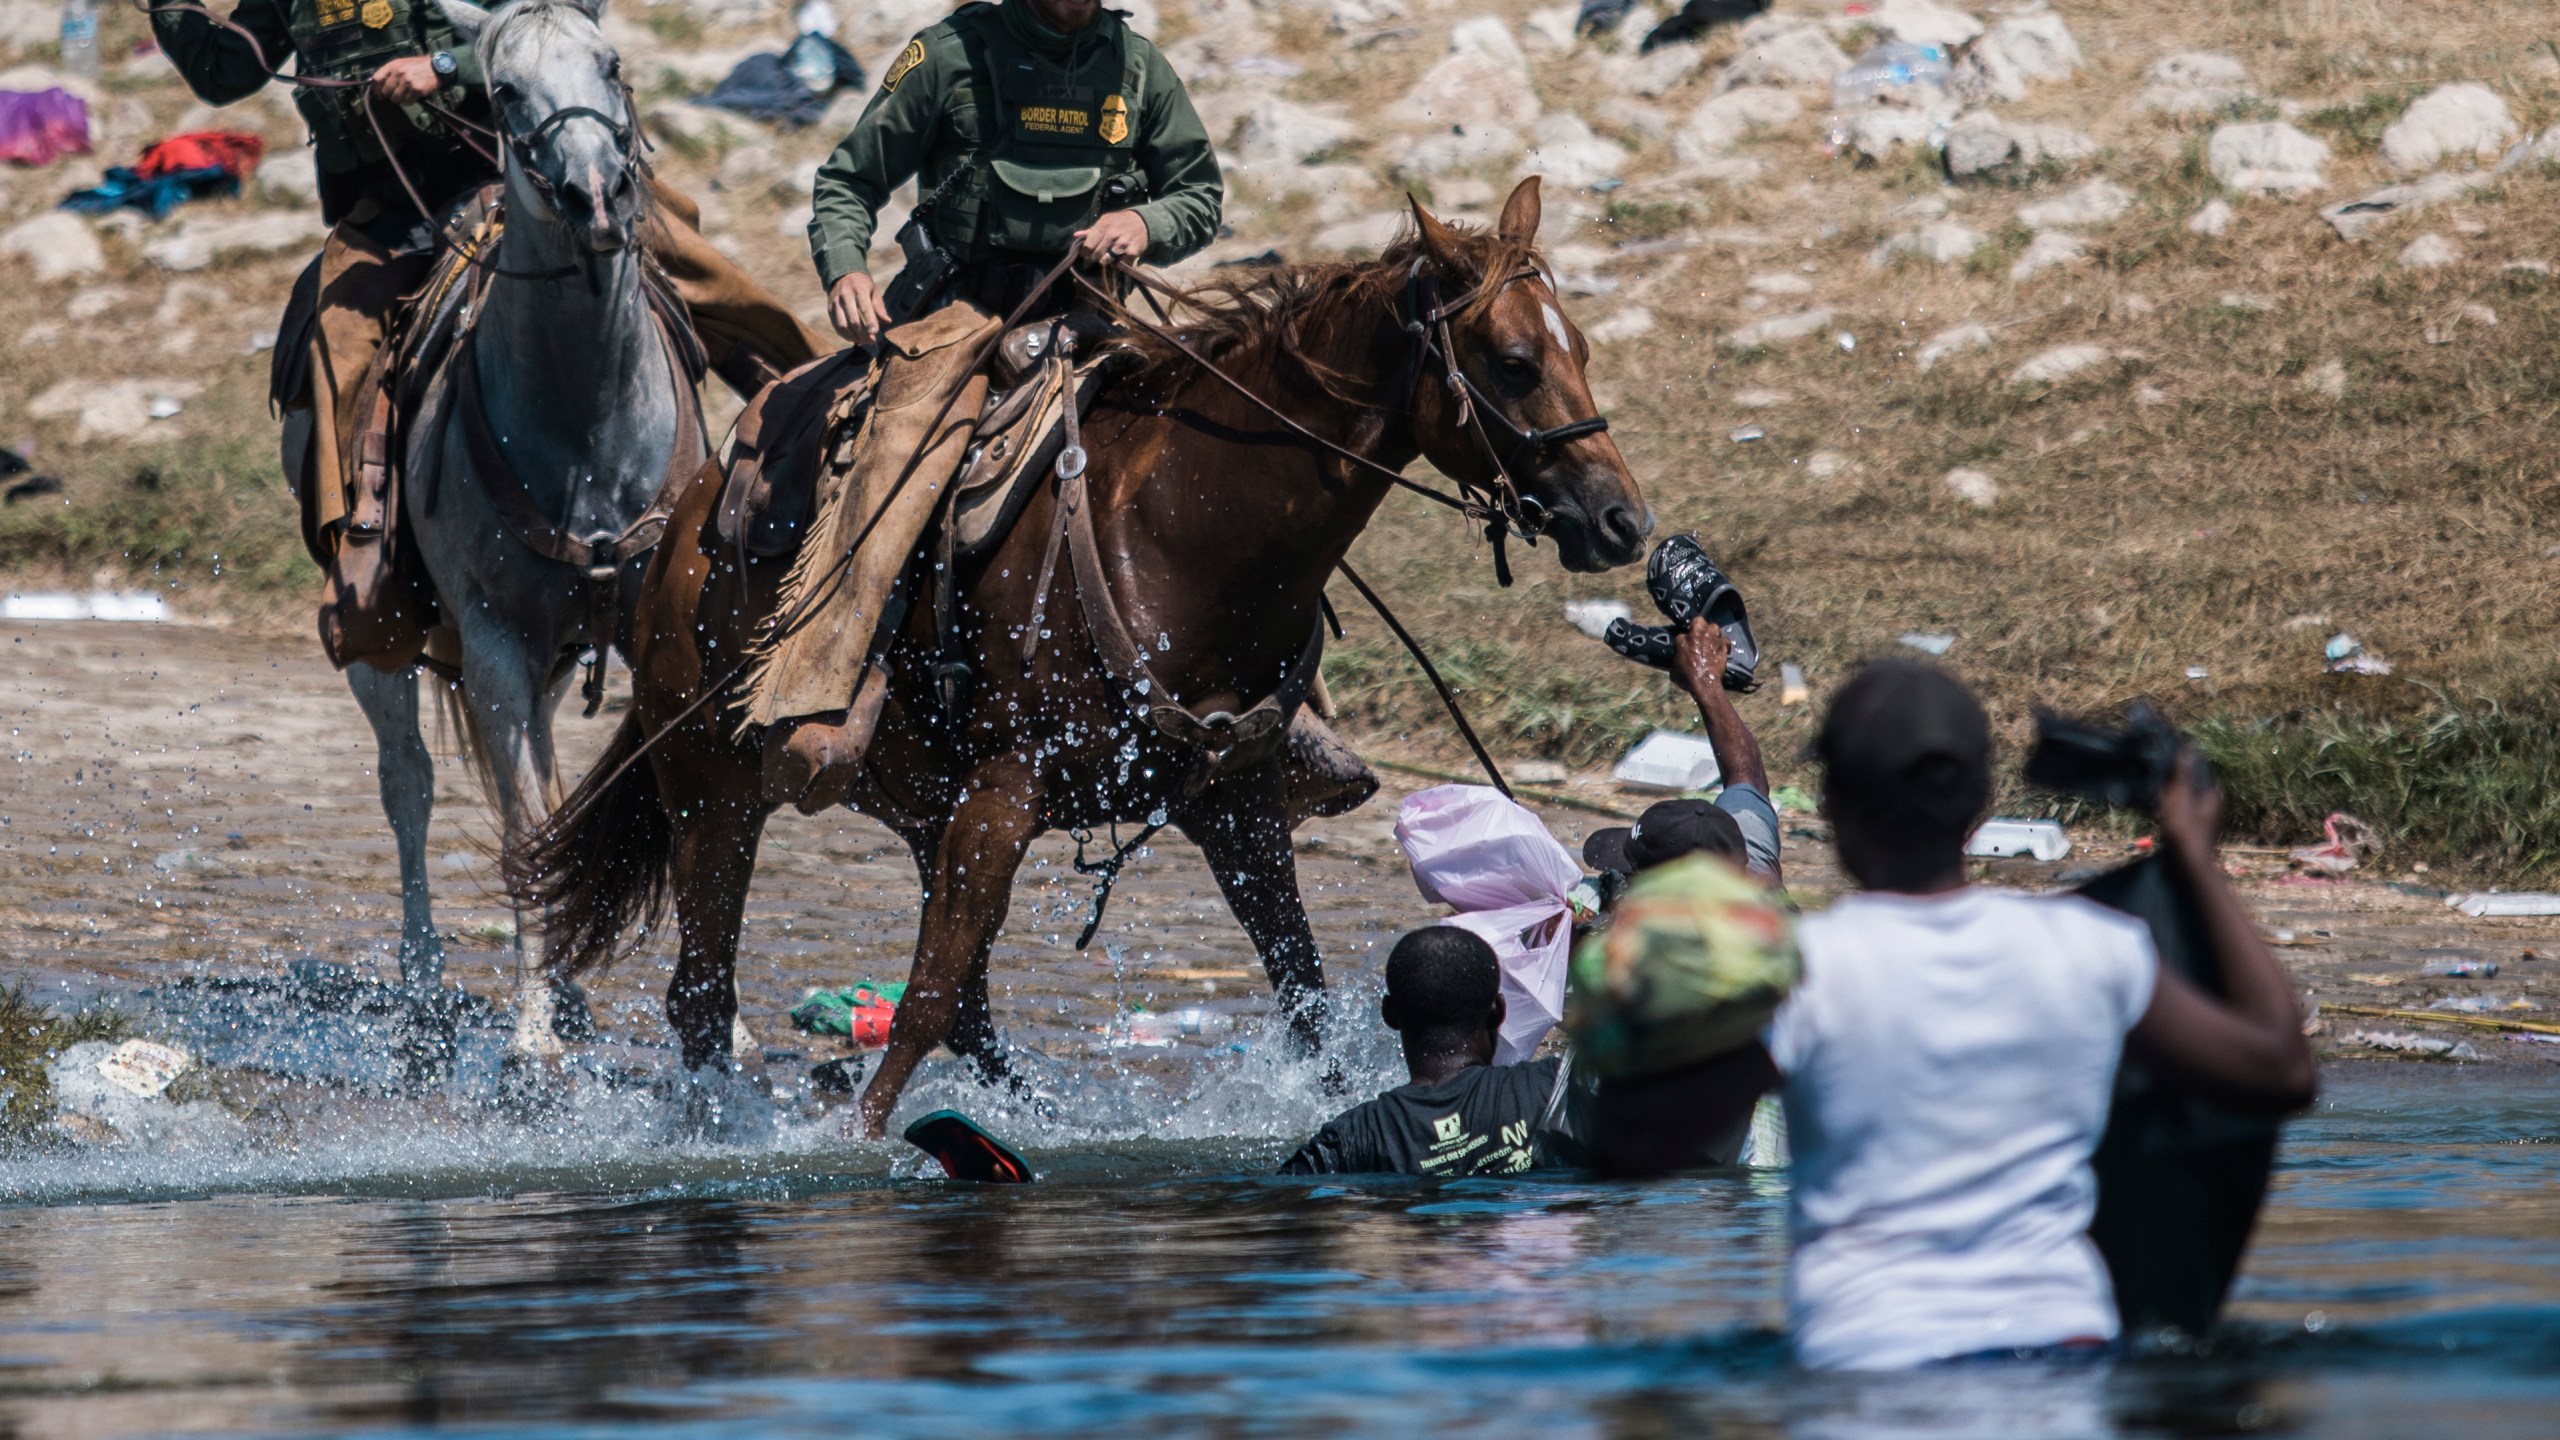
x=1739, y=825
x=1948, y=1057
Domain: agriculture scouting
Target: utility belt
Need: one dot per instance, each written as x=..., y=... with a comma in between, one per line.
x=993, y=280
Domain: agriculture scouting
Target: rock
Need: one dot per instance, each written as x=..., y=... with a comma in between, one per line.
x=2049, y=249
x=1801, y=56
x=1972, y=487
x=1345, y=17
x=1976, y=148
x=1759, y=399
x=2428, y=252
x=748, y=168
x=2211, y=219
x=198, y=243
x=2329, y=380
x=2196, y=84
x=1354, y=184
x=1875, y=133
x=1654, y=75
x=2266, y=158
x=1943, y=243
x=29, y=25
x=1624, y=324
x=58, y=245
x=2059, y=363
x=1921, y=22
x=695, y=125
x=289, y=178
x=1823, y=464
x=1457, y=150
x=1778, y=329
x=1483, y=80
x=2095, y=203
x=2039, y=46
x=2355, y=219
x=1464, y=194
x=2457, y=123
x=1568, y=154
x=1277, y=134
x=46, y=77
x=2245, y=300
x=1954, y=340
x=108, y=409
x=1650, y=124
x=1717, y=125
x=1981, y=144
x=95, y=1110
x=1550, y=30
x=1778, y=282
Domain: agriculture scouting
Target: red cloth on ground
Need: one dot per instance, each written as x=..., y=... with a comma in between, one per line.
x=234, y=154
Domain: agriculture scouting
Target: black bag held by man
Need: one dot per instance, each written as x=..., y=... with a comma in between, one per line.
x=2180, y=1179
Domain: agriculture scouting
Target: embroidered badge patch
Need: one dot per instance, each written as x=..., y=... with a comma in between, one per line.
x=336, y=12
x=907, y=60
x=376, y=14
x=1115, y=120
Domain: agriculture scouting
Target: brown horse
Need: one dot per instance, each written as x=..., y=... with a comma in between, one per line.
x=1218, y=530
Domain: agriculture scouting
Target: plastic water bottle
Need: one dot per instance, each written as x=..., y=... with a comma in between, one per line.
x=80, y=37
x=1884, y=69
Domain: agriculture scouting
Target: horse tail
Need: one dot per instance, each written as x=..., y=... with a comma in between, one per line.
x=597, y=868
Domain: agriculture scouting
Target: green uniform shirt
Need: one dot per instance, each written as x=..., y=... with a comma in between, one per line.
x=931, y=117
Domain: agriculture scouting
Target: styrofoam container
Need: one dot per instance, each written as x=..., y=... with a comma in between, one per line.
x=1670, y=760
x=2006, y=839
x=2501, y=902
x=139, y=605
x=1592, y=617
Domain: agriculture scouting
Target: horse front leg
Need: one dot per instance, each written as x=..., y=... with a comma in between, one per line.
x=509, y=693
x=711, y=797
x=1241, y=825
x=968, y=889
x=407, y=774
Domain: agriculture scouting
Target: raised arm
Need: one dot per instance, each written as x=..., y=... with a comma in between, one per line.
x=1697, y=666
x=2244, y=1048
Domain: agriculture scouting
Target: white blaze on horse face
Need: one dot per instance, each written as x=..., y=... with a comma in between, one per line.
x=1555, y=326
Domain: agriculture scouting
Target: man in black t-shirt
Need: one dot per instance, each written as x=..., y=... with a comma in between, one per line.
x=1463, y=1114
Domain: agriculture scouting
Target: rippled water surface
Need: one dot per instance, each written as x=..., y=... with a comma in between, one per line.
x=595, y=1275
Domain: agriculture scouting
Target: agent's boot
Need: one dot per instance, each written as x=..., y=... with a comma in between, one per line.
x=813, y=763
x=1326, y=776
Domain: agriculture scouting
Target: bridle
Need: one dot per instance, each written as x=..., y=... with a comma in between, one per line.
x=524, y=147
x=1426, y=317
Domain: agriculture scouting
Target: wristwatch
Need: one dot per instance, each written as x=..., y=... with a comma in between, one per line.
x=445, y=66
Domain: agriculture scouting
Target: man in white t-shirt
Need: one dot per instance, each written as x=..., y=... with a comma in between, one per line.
x=1948, y=1058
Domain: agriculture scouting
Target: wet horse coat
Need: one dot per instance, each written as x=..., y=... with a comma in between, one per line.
x=1216, y=530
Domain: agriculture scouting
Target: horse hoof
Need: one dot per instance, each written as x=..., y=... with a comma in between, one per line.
x=572, y=1023
x=532, y=1084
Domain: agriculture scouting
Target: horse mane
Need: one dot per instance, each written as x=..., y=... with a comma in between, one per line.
x=1271, y=309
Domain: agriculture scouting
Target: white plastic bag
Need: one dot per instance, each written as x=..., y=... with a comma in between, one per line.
x=1495, y=863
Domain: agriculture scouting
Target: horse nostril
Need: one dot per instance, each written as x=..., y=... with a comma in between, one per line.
x=1625, y=527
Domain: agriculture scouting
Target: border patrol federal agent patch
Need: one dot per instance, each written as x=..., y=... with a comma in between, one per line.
x=1115, y=120
x=336, y=12
x=376, y=14
x=907, y=60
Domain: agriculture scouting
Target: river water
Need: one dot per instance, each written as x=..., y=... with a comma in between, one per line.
x=604, y=1269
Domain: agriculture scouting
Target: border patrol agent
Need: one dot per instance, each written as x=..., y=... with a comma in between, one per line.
x=1029, y=126
x=380, y=248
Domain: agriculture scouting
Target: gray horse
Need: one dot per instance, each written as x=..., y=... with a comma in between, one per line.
x=582, y=397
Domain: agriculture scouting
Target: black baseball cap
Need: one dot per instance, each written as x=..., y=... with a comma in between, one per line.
x=1907, y=742
x=1664, y=832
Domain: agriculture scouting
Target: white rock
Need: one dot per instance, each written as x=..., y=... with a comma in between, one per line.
x=108, y=409
x=748, y=168
x=2195, y=84
x=1981, y=143
x=1717, y=125
x=2266, y=158
x=198, y=243
x=1353, y=186
x=2211, y=219
x=1362, y=237
x=2094, y=203
x=1954, y=340
x=1550, y=29
x=1624, y=324
x=1464, y=193
x=1921, y=22
x=2428, y=252
x=1778, y=329
x=290, y=178
x=1468, y=89
x=2330, y=379
x=46, y=77
x=1972, y=487
x=1875, y=133
x=2040, y=45
x=1458, y=150
x=1277, y=133
x=1793, y=57
x=1823, y=464
x=28, y=24
x=2059, y=363
x=1490, y=38
x=2354, y=219
x=1569, y=155
x=1761, y=399
x=1649, y=123
x=2455, y=123
x=2247, y=300
x=1943, y=242
x=57, y=244
x=2049, y=249
x=1344, y=17
x=2539, y=151
x=1778, y=282
x=1654, y=75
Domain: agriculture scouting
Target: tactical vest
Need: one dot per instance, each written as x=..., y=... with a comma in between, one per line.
x=1049, y=139
x=349, y=40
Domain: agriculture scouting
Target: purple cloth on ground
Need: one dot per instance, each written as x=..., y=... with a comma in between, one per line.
x=37, y=127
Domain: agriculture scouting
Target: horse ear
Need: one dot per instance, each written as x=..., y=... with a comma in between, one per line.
x=467, y=19
x=1519, y=222
x=1437, y=239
